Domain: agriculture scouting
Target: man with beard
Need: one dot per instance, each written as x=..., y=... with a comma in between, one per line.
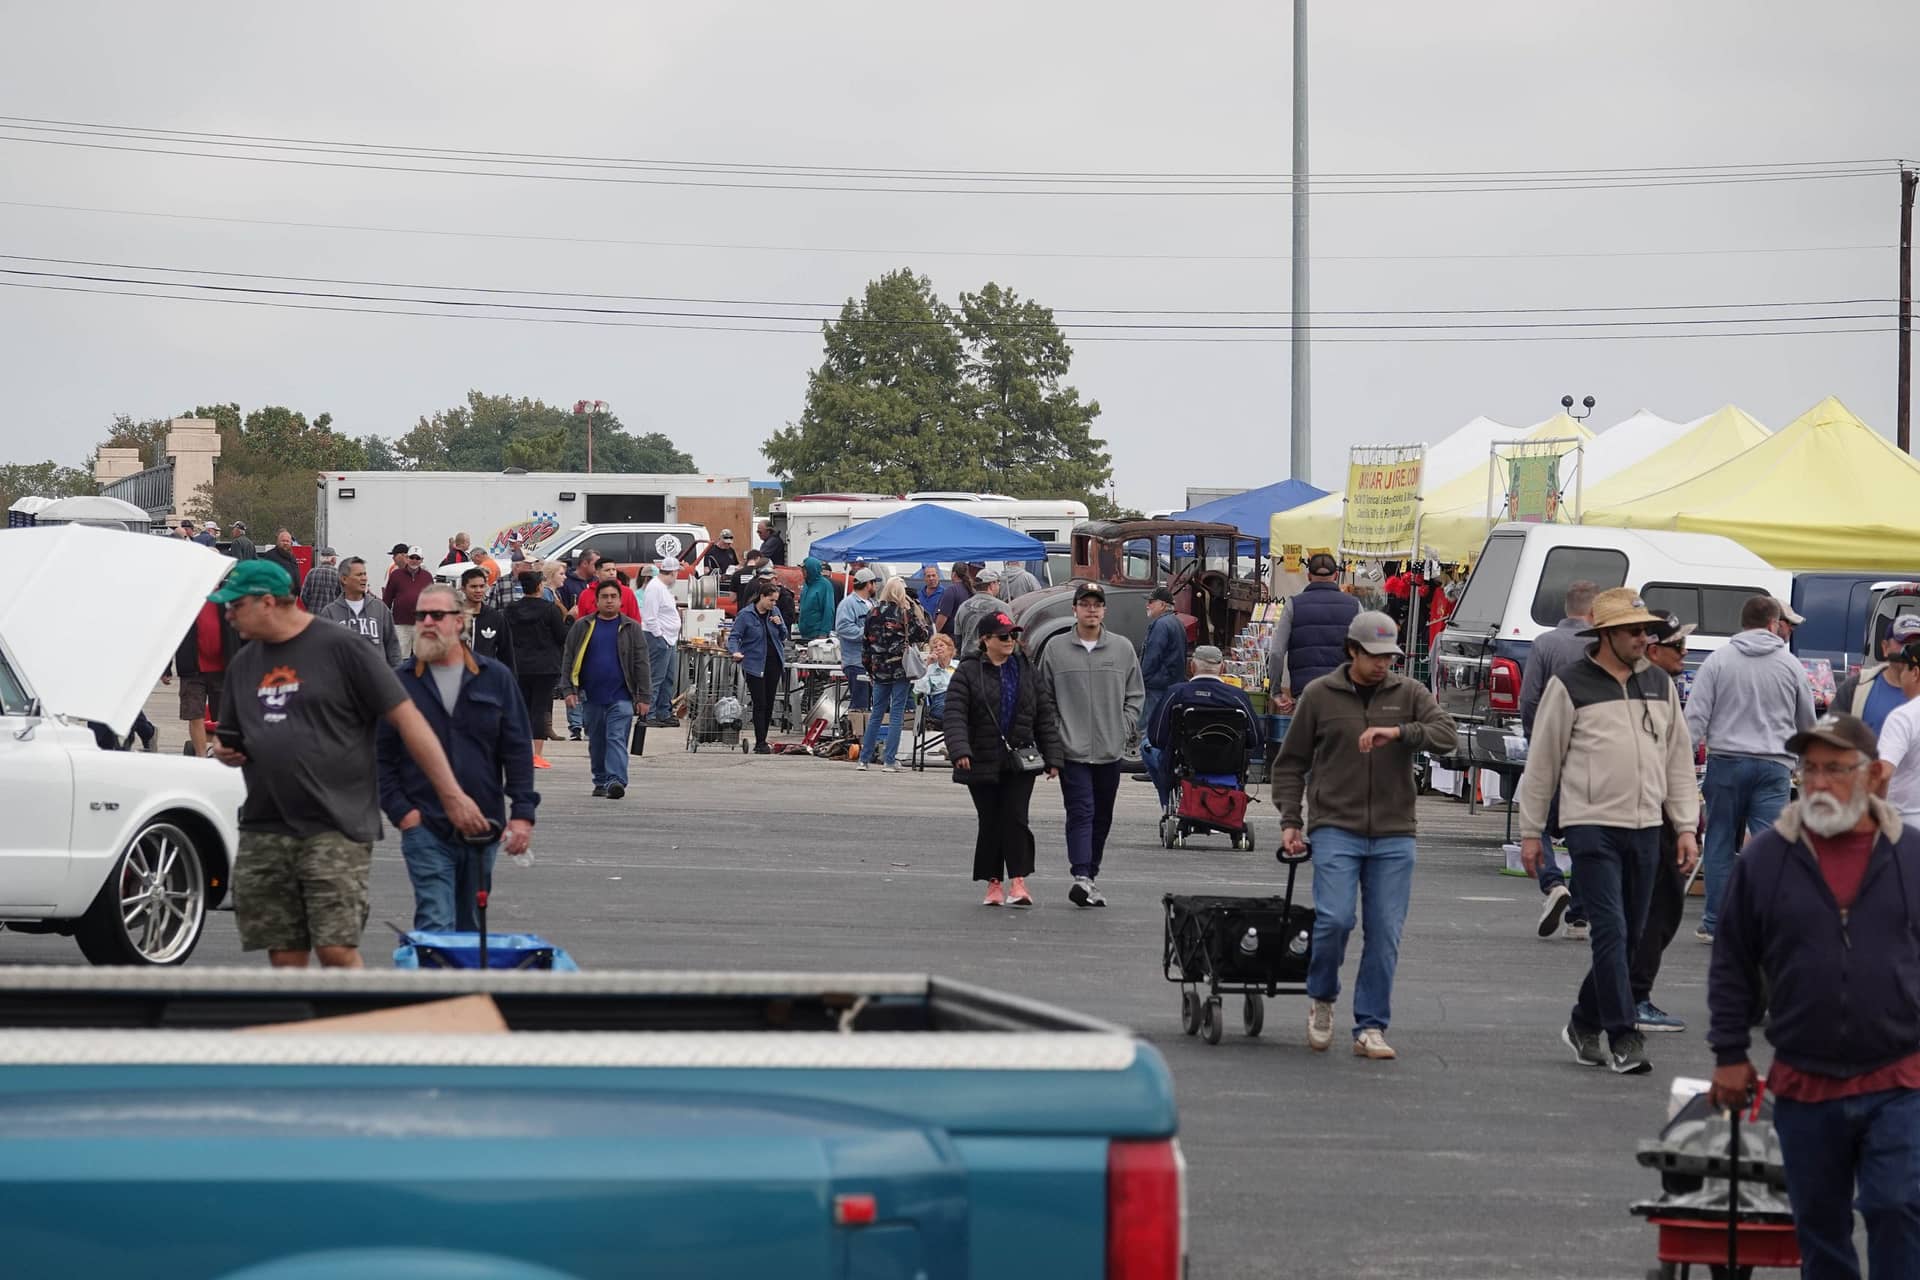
x=1610, y=740
x=472, y=704
x=1817, y=930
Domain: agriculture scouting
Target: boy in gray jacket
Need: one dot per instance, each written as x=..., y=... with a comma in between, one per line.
x=1097, y=691
x=1747, y=699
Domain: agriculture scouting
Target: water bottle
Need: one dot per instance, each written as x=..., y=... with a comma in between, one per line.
x=1250, y=942
x=1299, y=944
x=521, y=860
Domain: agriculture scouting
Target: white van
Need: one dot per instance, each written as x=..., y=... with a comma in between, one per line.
x=627, y=545
x=1519, y=586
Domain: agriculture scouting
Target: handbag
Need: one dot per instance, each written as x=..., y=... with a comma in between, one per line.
x=913, y=664
x=1026, y=759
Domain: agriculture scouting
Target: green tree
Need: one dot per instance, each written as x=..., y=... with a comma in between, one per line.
x=267, y=467
x=42, y=480
x=148, y=435
x=911, y=396
x=491, y=433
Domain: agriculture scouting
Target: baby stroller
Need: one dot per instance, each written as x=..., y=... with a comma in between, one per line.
x=1207, y=758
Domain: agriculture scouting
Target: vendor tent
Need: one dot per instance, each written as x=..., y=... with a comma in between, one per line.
x=1317, y=523
x=1825, y=492
x=1626, y=444
x=94, y=509
x=1685, y=451
x=926, y=532
x=1252, y=512
x=1453, y=518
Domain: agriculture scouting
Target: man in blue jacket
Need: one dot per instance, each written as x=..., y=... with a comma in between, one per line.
x=1163, y=658
x=473, y=706
x=1205, y=689
x=1818, y=932
x=1310, y=640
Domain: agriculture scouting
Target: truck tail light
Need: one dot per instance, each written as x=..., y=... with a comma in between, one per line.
x=1146, y=1211
x=1503, y=685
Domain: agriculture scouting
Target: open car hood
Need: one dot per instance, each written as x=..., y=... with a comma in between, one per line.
x=89, y=617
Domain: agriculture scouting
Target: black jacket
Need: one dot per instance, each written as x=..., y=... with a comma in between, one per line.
x=489, y=636
x=972, y=721
x=186, y=658
x=1842, y=991
x=539, y=636
x=1317, y=636
x=286, y=561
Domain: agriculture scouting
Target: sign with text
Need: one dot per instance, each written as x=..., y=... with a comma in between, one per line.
x=1383, y=500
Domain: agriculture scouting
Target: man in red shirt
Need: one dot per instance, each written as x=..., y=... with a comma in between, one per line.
x=608, y=571
x=201, y=663
x=1824, y=907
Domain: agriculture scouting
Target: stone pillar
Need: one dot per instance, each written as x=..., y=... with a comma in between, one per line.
x=116, y=464
x=193, y=446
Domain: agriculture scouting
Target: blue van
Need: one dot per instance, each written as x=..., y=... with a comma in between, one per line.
x=1836, y=607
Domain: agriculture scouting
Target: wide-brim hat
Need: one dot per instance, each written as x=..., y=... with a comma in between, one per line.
x=1621, y=607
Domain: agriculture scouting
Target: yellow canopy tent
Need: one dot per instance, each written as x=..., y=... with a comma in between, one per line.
x=1453, y=519
x=1696, y=447
x=1826, y=492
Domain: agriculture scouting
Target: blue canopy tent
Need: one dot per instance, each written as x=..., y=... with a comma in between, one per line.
x=1252, y=512
x=927, y=533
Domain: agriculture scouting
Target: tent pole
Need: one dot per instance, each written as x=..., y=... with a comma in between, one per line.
x=1903, y=406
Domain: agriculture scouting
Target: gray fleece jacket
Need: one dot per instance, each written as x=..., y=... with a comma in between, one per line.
x=1097, y=695
x=1749, y=697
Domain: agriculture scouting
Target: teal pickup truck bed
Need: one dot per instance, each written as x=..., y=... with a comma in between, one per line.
x=631, y=1125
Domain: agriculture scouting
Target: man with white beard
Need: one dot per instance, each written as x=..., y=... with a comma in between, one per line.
x=1818, y=931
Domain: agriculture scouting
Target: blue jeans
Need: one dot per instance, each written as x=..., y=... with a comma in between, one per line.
x=660, y=655
x=1088, y=790
x=1159, y=767
x=1744, y=794
x=609, y=735
x=1152, y=704
x=860, y=691
x=889, y=700
x=1615, y=867
x=444, y=879
x=1375, y=875
x=576, y=716
x=1872, y=1140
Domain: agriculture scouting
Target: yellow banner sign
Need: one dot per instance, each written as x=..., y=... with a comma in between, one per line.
x=1382, y=505
x=1290, y=556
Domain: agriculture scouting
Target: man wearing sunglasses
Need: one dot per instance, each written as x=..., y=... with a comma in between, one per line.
x=1610, y=741
x=1748, y=698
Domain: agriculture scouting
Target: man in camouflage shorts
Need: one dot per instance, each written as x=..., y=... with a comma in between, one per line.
x=301, y=708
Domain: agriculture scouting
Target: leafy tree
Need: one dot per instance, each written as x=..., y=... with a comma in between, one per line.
x=148, y=435
x=265, y=475
x=492, y=433
x=911, y=396
x=42, y=480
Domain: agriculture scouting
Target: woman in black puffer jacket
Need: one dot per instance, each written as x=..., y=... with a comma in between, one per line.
x=996, y=704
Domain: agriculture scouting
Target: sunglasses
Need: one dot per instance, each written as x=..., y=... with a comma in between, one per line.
x=434, y=615
x=1637, y=629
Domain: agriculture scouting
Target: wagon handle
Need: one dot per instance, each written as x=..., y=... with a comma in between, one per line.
x=1282, y=856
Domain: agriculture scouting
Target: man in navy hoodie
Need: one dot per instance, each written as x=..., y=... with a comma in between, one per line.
x=1818, y=929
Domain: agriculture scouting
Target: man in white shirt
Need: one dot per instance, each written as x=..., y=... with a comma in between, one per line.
x=1900, y=737
x=660, y=619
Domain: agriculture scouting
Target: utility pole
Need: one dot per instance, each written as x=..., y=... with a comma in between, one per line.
x=1302, y=421
x=1903, y=412
x=585, y=409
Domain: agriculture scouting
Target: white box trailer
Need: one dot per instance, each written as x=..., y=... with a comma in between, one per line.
x=364, y=513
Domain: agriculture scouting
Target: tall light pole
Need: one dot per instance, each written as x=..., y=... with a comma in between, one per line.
x=586, y=409
x=1302, y=421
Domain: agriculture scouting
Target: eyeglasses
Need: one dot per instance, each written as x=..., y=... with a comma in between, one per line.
x=1090, y=602
x=1830, y=772
x=434, y=615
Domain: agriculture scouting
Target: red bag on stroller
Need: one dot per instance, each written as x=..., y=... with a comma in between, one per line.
x=1216, y=806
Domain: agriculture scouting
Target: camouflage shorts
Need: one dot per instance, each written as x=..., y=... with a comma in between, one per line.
x=295, y=894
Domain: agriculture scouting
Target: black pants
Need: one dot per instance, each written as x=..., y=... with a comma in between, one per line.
x=537, y=692
x=1663, y=917
x=763, y=690
x=1003, y=847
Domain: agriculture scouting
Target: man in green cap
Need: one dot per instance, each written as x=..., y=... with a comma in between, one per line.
x=302, y=706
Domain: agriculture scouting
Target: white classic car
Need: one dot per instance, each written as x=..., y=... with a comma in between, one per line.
x=126, y=852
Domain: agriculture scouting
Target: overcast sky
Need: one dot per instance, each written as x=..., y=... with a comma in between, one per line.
x=1114, y=86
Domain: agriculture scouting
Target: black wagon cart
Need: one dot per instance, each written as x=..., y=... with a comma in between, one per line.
x=1255, y=948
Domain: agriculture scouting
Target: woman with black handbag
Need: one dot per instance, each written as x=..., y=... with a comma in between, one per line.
x=1001, y=735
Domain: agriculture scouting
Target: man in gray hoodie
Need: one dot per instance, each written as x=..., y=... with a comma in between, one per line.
x=1097, y=693
x=1747, y=700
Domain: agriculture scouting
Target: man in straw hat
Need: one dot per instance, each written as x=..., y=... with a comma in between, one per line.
x=1610, y=740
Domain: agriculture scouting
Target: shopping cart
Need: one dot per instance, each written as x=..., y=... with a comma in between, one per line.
x=716, y=699
x=1255, y=948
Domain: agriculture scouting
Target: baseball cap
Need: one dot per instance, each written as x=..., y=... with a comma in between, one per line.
x=998, y=624
x=1323, y=564
x=862, y=577
x=1848, y=733
x=399, y=549
x=1162, y=594
x=253, y=578
x=766, y=571
x=726, y=535
x=988, y=575
x=413, y=553
x=1673, y=632
x=1787, y=613
x=241, y=525
x=1376, y=634
x=1084, y=590
x=668, y=564
x=324, y=552
x=212, y=524
x=1905, y=629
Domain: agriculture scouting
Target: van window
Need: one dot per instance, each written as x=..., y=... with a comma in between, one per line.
x=1137, y=559
x=617, y=547
x=1568, y=565
x=1484, y=603
x=1715, y=609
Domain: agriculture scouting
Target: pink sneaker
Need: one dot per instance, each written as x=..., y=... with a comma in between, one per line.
x=1017, y=895
x=994, y=896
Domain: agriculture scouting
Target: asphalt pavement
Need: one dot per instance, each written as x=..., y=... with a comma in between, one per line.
x=1483, y=1151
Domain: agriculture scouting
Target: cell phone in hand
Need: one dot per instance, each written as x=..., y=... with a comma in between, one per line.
x=230, y=738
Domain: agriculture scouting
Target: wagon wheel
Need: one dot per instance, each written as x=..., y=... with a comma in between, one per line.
x=1190, y=1011
x=1210, y=1028
x=1253, y=1014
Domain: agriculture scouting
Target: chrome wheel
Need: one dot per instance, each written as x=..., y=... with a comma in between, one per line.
x=153, y=906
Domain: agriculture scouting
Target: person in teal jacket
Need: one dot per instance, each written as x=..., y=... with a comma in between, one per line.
x=816, y=601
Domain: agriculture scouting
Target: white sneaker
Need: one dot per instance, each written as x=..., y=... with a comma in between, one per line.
x=863, y=766
x=1081, y=892
x=1551, y=914
x=1320, y=1025
x=1371, y=1044
x=891, y=768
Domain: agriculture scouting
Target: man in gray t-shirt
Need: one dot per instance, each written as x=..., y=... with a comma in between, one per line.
x=303, y=705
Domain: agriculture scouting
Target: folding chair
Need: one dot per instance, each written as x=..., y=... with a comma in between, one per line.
x=927, y=734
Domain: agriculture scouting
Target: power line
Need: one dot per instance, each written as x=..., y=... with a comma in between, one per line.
x=204, y=137
x=1276, y=192
x=629, y=324
x=764, y=302
x=1718, y=251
